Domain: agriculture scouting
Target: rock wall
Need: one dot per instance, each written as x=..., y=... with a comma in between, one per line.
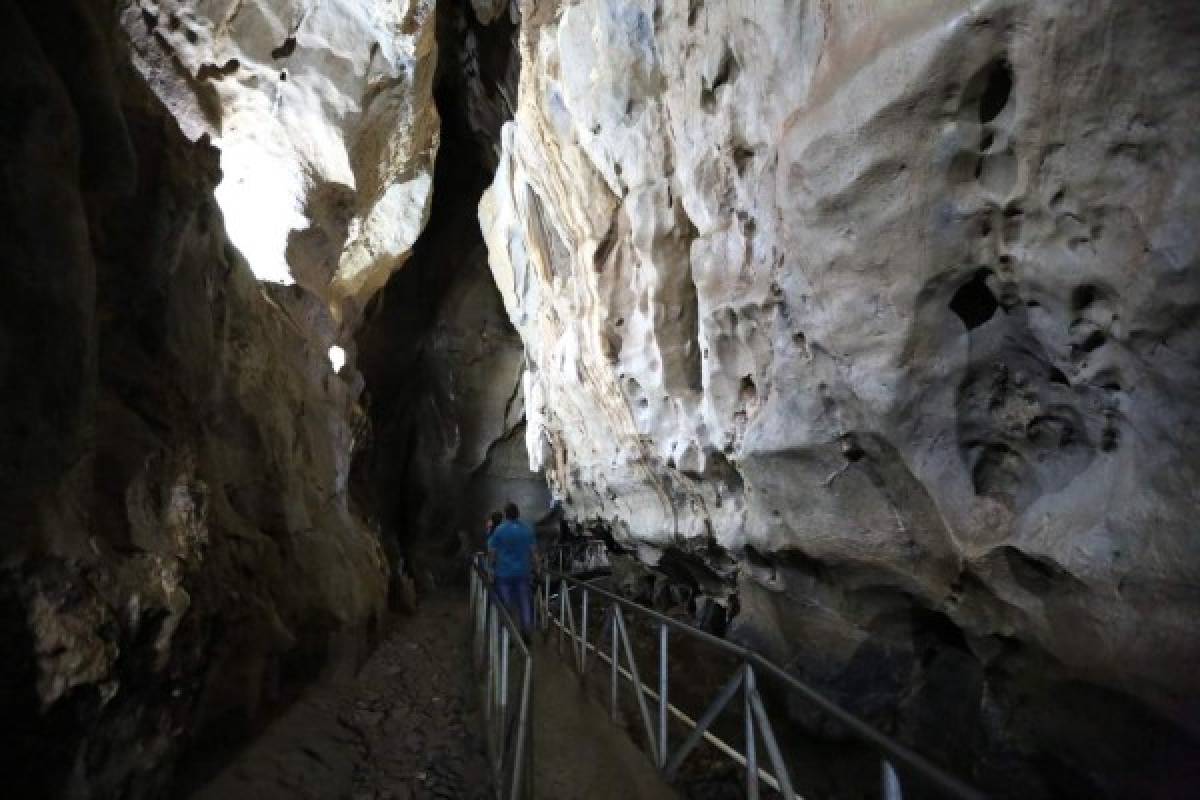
x=178, y=554
x=441, y=360
x=324, y=118
x=897, y=303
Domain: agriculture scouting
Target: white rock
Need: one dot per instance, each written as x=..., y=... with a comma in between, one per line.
x=903, y=286
x=325, y=120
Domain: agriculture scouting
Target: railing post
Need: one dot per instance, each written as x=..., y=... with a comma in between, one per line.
x=523, y=750
x=583, y=637
x=494, y=673
x=612, y=612
x=562, y=612
x=662, y=695
x=503, y=716
x=489, y=661
x=751, y=756
x=890, y=781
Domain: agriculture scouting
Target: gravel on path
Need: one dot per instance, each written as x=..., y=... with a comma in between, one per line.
x=405, y=728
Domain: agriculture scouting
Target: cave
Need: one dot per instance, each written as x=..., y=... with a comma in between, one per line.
x=297, y=296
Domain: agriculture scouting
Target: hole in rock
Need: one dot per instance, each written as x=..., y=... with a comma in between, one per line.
x=1109, y=439
x=742, y=156
x=1094, y=340
x=974, y=302
x=286, y=49
x=207, y=71
x=851, y=449
x=1083, y=296
x=996, y=92
x=726, y=69
x=748, y=392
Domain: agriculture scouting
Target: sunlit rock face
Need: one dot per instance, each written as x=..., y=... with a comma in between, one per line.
x=897, y=302
x=325, y=122
x=178, y=556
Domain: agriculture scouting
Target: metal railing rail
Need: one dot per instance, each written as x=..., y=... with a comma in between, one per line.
x=757, y=723
x=582, y=555
x=494, y=638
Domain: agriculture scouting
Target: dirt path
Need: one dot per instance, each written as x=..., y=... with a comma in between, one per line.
x=407, y=728
x=579, y=752
x=404, y=729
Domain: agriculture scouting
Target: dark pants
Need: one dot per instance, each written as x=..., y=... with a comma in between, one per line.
x=517, y=595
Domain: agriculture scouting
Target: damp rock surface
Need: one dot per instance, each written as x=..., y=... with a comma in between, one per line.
x=897, y=305
x=179, y=556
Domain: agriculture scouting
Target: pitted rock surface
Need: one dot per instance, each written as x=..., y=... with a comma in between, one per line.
x=887, y=312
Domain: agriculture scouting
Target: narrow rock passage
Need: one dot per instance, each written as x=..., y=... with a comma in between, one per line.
x=403, y=728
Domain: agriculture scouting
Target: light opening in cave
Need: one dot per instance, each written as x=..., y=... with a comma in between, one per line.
x=337, y=358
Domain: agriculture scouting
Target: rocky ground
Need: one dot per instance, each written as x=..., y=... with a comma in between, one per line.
x=407, y=728
x=402, y=729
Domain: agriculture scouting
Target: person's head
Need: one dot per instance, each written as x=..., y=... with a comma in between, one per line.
x=511, y=511
x=495, y=519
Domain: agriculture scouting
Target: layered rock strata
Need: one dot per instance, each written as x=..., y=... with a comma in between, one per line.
x=178, y=554
x=897, y=303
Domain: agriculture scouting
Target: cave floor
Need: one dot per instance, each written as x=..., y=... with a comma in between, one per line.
x=404, y=727
x=407, y=726
x=579, y=753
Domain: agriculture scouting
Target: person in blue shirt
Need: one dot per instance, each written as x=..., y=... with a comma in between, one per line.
x=512, y=548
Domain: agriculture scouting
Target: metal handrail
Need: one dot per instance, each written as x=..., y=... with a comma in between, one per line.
x=594, y=554
x=493, y=635
x=744, y=679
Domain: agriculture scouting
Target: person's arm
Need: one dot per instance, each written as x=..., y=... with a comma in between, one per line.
x=535, y=553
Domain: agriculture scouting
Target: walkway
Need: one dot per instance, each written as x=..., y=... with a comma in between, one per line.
x=404, y=729
x=407, y=728
x=578, y=751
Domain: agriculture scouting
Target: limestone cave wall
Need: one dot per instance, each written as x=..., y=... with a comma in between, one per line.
x=886, y=312
x=178, y=554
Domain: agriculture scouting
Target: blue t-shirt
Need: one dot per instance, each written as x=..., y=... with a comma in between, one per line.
x=512, y=542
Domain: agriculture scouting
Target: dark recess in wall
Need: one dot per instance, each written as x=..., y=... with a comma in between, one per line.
x=477, y=70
